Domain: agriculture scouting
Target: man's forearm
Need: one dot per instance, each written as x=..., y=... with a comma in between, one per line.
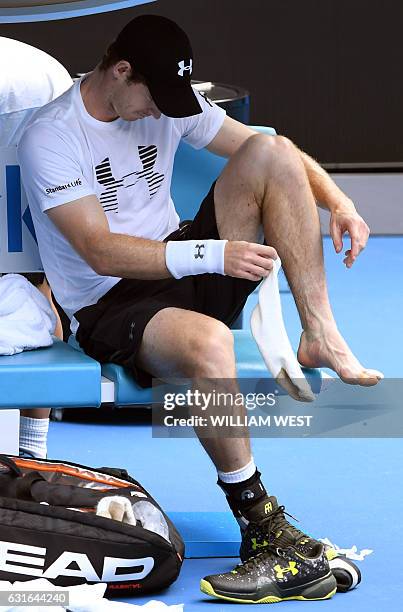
x=327, y=194
x=130, y=257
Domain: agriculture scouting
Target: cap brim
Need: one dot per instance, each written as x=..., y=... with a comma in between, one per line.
x=175, y=101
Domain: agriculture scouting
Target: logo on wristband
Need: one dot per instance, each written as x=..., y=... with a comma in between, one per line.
x=199, y=254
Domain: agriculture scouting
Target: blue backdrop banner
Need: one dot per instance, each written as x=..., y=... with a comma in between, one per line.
x=14, y=11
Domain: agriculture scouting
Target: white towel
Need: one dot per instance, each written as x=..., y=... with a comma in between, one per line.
x=351, y=553
x=268, y=329
x=116, y=507
x=82, y=598
x=27, y=320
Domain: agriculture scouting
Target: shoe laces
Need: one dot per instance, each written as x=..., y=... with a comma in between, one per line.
x=270, y=553
x=276, y=521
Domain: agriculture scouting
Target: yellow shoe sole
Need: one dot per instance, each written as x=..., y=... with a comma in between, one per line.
x=206, y=588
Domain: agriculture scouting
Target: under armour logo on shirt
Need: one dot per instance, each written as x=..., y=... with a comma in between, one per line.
x=103, y=171
x=183, y=67
x=199, y=255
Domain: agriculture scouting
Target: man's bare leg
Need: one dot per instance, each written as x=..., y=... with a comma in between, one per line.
x=181, y=343
x=265, y=183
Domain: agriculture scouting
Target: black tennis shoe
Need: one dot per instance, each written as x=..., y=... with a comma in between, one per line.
x=347, y=574
x=267, y=524
x=275, y=575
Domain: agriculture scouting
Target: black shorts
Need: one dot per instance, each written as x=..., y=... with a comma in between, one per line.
x=112, y=329
x=36, y=278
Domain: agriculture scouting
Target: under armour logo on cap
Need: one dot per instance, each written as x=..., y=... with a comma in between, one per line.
x=168, y=78
x=183, y=67
x=199, y=254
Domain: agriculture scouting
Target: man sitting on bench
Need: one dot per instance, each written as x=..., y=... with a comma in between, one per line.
x=159, y=299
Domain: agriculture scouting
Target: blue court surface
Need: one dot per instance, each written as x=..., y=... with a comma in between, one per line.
x=349, y=490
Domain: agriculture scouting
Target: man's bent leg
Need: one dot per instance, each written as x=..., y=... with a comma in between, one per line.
x=265, y=183
x=181, y=343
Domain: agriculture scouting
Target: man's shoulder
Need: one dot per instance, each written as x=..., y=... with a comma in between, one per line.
x=56, y=113
x=56, y=120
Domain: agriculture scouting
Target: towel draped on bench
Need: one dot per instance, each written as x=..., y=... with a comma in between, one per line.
x=27, y=320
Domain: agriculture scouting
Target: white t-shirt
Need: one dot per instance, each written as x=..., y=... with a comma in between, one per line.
x=29, y=78
x=66, y=154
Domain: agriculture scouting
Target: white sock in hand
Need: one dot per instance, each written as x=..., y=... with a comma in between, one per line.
x=268, y=329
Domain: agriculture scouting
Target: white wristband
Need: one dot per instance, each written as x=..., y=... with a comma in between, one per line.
x=190, y=257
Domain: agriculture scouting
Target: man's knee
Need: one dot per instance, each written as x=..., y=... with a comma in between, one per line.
x=262, y=161
x=269, y=151
x=211, y=351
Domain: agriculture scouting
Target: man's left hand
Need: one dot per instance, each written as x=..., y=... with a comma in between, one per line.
x=345, y=219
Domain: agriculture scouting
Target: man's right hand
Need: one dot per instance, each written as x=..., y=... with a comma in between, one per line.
x=248, y=260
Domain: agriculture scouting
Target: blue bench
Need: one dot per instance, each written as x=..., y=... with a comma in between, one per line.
x=249, y=362
x=62, y=376
x=49, y=377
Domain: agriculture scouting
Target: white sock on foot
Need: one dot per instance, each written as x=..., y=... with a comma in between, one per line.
x=33, y=436
x=238, y=475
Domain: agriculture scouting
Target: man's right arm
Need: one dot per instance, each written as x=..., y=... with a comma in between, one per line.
x=48, y=161
x=84, y=224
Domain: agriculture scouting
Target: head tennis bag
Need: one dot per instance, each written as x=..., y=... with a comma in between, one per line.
x=49, y=528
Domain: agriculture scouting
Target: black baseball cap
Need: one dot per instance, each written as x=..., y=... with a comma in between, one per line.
x=159, y=49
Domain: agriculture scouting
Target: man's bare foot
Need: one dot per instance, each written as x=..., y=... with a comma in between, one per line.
x=330, y=350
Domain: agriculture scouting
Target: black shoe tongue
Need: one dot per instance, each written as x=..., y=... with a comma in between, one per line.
x=284, y=538
x=281, y=536
x=262, y=509
x=271, y=505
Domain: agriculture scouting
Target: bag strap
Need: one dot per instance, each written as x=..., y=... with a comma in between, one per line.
x=24, y=485
x=15, y=470
x=116, y=472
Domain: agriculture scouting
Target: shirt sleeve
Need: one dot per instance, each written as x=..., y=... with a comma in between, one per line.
x=199, y=130
x=50, y=166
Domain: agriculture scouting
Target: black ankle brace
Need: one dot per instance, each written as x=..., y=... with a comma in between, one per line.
x=243, y=495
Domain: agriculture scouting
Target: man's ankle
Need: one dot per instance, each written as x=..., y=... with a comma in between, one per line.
x=243, y=496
